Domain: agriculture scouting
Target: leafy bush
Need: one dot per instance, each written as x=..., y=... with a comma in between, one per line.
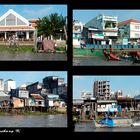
x=60, y=49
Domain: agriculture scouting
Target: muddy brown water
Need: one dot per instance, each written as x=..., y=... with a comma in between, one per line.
x=59, y=120
x=27, y=56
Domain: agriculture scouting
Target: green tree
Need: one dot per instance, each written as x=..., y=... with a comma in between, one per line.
x=51, y=25
x=43, y=26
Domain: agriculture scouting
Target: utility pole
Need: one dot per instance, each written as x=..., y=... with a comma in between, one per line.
x=66, y=36
x=35, y=40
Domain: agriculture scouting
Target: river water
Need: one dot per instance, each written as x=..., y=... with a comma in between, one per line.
x=89, y=127
x=27, y=56
x=33, y=121
x=100, y=61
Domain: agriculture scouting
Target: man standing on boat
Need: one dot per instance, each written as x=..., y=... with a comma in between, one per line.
x=106, y=118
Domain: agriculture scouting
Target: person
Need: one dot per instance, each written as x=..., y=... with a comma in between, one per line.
x=111, y=49
x=92, y=50
x=83, y=44
x=104, y=50
x=13, y=40
x=126, y=56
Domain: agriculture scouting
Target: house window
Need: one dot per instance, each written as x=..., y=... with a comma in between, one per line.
x=137, y=35
x=2, y=22
x=137, y=27
x=10, y=20
x=109, y=24
x=39, y=102
x=20, y=22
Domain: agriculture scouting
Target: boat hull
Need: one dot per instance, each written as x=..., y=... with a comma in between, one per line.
x=115, y=122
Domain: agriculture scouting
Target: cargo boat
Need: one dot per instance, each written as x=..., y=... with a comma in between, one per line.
x=113, y=122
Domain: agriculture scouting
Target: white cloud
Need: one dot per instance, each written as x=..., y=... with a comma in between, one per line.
x=39, y=12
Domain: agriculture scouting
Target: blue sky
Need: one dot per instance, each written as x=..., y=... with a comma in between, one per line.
x=130, y=85
x=23, y=77
x=86, y=15
x=35, y=11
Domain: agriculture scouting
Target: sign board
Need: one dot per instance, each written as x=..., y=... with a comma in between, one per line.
x=50, y=102
x=110, y=18
x=97, y=36
x=23, y=94
x=110, y=33
x=52, y=96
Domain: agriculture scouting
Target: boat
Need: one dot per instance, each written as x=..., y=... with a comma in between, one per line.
x=135, y=124
x=111, y=56
x=113, y=122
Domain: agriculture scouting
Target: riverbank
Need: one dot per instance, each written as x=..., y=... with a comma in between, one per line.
x=32, y=113
x=27, y=48
x=28, y=112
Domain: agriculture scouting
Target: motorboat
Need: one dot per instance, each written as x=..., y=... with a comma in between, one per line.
x=135, y=124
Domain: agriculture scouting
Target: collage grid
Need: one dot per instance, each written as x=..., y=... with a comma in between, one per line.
x=74, y=68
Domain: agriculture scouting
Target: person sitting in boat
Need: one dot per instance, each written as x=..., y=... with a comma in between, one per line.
x=105, y=51
x=92, y=50
x=126, y=56
x=111, y=49
x=106, y=115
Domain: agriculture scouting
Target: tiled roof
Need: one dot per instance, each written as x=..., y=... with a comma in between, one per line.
x=37, y=96
x=16, y=28
x=33, y=20
x=33, y=24
x=128, y=21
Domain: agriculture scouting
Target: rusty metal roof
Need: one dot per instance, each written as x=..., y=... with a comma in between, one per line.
x=37, y=96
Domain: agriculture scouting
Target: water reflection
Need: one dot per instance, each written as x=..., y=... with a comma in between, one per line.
x=34, y=121
x=89, y=127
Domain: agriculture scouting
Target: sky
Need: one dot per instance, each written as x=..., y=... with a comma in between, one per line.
x=86, y=15
x=130, y=85
x=23, y=77
x=35, y=11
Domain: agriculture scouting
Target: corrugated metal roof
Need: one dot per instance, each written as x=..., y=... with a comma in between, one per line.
x=37, y=96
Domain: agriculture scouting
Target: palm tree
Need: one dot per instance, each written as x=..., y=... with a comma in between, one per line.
x=57, y=22
x=51, y=25
x=43, y=26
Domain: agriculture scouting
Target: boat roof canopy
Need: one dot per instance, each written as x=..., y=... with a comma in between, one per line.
x=106, y=101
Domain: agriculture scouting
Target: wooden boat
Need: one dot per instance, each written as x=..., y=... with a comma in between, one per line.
x=113, y=122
